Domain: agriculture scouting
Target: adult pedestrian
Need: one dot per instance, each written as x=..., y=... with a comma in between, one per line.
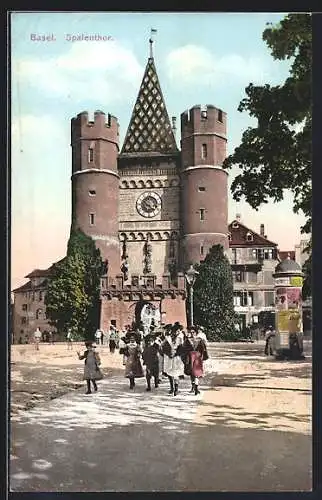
x=99, y=337
x=112, y=340
x=92, y=371
x=172, y=351
x=132, y=359
x=37, y=338
x=270, y=341
x=70, y=339
x=196, y=353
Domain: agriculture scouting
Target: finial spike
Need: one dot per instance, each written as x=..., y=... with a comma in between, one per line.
x=151, y=41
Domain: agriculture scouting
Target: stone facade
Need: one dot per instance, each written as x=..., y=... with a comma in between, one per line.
x=253, y=259
x=151, y=208
x=29, y=311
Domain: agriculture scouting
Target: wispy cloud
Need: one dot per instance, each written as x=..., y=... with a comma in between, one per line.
x=193, y=64
x=86, y=70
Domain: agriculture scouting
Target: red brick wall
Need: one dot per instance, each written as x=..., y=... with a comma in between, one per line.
x=175, y=310
x=124, y=311
x=102, y=135
x=214, y=199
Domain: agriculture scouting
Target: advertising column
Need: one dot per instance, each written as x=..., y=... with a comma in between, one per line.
x=288, y=310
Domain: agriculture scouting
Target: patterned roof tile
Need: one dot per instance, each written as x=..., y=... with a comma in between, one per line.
x=149, y=129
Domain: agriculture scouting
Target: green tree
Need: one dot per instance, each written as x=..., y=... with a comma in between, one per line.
x=307, y=285
x=275, y=155
x=73, y=293
x=213, y=296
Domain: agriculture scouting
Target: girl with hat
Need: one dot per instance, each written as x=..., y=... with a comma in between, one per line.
x=172, y=352
x=92, y=370
x=132, y=359
x=151, y=360
x=196, y=353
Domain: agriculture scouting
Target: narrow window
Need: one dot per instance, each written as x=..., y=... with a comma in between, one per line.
x=40, y=296
x=202, y=213
x=201, y=188
x=24, y=307
x=23, y=320
x=219, y=115
x=92, y=219
x=90, y=155
x=204, y=151
x=249, y=237
x=201, y=249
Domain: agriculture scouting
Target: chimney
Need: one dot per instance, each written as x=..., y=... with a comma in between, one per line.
x=262, y=230
x=238, y=217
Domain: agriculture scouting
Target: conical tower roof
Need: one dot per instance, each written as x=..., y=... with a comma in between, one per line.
x=149, y=131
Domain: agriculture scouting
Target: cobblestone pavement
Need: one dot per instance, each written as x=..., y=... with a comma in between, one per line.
x=249, y=430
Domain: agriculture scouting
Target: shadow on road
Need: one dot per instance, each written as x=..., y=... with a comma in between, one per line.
x=117, y=440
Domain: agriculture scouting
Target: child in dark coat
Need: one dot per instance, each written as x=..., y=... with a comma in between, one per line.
x=151, y=360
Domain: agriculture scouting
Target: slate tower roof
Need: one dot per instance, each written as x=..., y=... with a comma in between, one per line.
x=150, y=130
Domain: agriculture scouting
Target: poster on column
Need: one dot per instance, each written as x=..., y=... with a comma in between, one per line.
x=289, y=321
x=283, y=321
x=281, y=299
x=294, y=298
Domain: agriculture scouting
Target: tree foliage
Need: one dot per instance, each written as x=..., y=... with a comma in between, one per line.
x=73, y=294
x=213, y=296
x=275, y=155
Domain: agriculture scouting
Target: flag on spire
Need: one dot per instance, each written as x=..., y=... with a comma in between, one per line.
x=153, y=31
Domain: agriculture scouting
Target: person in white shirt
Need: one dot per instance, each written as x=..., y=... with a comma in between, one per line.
x=37, y=337
x=99, y=336
x=69, y=339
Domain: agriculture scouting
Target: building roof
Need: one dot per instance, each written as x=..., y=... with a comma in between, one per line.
x=283, y=254
x=243, y=236
x=24, y=288
x=39, y=273
x=150, y=129
x=288, y=266
x=36, y=273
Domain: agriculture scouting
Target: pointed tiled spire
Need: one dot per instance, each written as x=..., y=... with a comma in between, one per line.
x=150, y=129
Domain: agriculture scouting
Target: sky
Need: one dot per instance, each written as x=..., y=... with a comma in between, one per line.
x=201, y=58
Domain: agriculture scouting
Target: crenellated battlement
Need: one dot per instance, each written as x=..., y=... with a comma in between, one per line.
x=203, y=119
x=103, y=126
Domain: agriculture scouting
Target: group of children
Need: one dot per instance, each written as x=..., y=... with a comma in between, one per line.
x=170, y=352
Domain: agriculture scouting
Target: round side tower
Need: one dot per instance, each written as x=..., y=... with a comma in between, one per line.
x=95, y=183
x=204, y=182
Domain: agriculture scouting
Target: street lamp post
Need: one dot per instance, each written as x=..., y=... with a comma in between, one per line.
x=191, y=276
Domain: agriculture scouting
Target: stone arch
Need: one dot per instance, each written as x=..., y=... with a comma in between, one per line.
x=133, y=184
x=141, y=184
x=166, y=235
x=132, y=236
x=166, y=183
x=122, y=236
x=141, y=236
x=149, y=183
x=174, y=183
x=124, y=185
x=157, y=183
x=158, y=236
x=149, y=235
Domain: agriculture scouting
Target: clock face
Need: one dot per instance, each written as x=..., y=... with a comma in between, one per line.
x=148, y=204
